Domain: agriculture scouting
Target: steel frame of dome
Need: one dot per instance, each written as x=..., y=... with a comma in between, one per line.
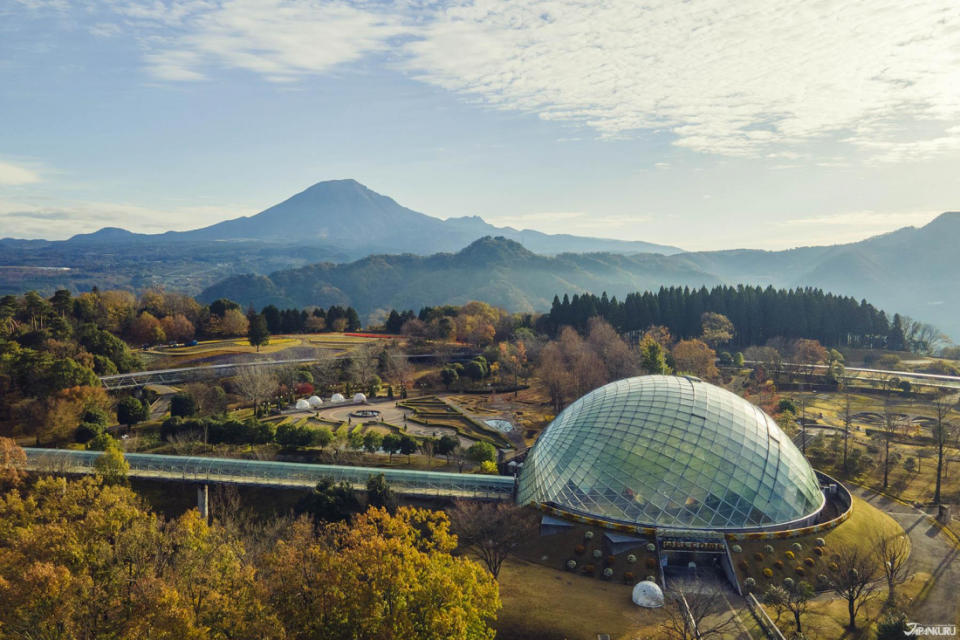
x=671, y=452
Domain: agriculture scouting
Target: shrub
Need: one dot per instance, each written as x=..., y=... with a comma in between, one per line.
x=822, y=579
x=588, y=569
x=631, y=558
x=611, y=559
x=628, y=576
x=650, y=579
x=778, y=564
x=597, y=553
x=768, y=548
x=799, y=570
x=651, y=547
x=651, y=563
x=809, y=562
x=571, y=564
x=834, y=567
x=588, y=535
x=790, y=554
x=579, y=549
x=608, y=572
x=768, y=572
x=736, y=548
x=797, y=547
x=758, y=556
x=821, y=542
x=742, y=565
x=788, y=583
x=818, y=551
x=749, y=583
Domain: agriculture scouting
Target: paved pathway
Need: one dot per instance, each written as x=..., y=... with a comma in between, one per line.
x=932, y=552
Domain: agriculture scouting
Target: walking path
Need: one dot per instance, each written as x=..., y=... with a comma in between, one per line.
x=932, y=552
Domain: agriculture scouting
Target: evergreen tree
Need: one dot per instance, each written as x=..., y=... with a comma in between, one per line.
x=258, y=333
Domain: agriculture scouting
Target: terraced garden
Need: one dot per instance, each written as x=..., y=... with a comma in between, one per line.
x=431, y=411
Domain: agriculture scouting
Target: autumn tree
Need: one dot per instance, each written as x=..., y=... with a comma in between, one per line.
x=381, y=576
x=85, y=560
x=62, y=412
x=653, y=358
x=177, y=327
x=696, y=358
x=569, y=368
x=617, y=358
x=256, y=383
x=716, y=329
x=111, y=466
x=492, y=530
x=146, y=329
x=13, y=462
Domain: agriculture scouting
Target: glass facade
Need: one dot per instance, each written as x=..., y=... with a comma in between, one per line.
x=670, y=451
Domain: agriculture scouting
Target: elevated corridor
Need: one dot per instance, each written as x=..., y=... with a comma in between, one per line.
x=276, y=474
x=186, y=374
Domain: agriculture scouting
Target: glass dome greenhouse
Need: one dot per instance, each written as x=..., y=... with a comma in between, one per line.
x=668, y=451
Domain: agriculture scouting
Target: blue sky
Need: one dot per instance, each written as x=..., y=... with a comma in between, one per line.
x=704, y=124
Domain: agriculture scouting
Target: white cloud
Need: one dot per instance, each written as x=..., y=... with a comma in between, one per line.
x=279, y=39
x=726, y=78
x=757, y=78
x=12, y=175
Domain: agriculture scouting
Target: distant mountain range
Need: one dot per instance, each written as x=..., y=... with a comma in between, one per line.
x=340, y=242
x=359, y=222
x=911, y=271
x=496, y=270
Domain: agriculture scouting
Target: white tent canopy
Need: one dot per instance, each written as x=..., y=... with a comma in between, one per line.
x=336, y=398
x=315, y=401
x=647, y=594
x=302, y=404
x=359, y=397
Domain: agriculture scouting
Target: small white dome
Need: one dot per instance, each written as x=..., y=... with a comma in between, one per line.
x=647, y=594
x=315, y=401
x=302, y=404
x=336, y=398
x=359, y=397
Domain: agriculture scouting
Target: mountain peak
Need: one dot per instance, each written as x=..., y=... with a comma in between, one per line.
x=106, y=234
x=495, y=249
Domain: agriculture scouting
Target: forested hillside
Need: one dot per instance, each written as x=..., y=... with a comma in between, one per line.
x=758, y=314
x=495, y=270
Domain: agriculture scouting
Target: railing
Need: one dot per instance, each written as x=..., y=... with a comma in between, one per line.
x=771, y=630
x=276, y=474
x=184, y=374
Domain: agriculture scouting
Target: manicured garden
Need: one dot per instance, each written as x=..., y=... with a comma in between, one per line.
x=761, y=564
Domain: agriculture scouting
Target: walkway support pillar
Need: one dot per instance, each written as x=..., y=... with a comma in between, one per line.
x=203, y=502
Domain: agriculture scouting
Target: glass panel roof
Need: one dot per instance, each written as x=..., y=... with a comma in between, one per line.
x=670, y=451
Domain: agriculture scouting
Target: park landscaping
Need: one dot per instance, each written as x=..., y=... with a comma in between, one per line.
x=432, y=411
